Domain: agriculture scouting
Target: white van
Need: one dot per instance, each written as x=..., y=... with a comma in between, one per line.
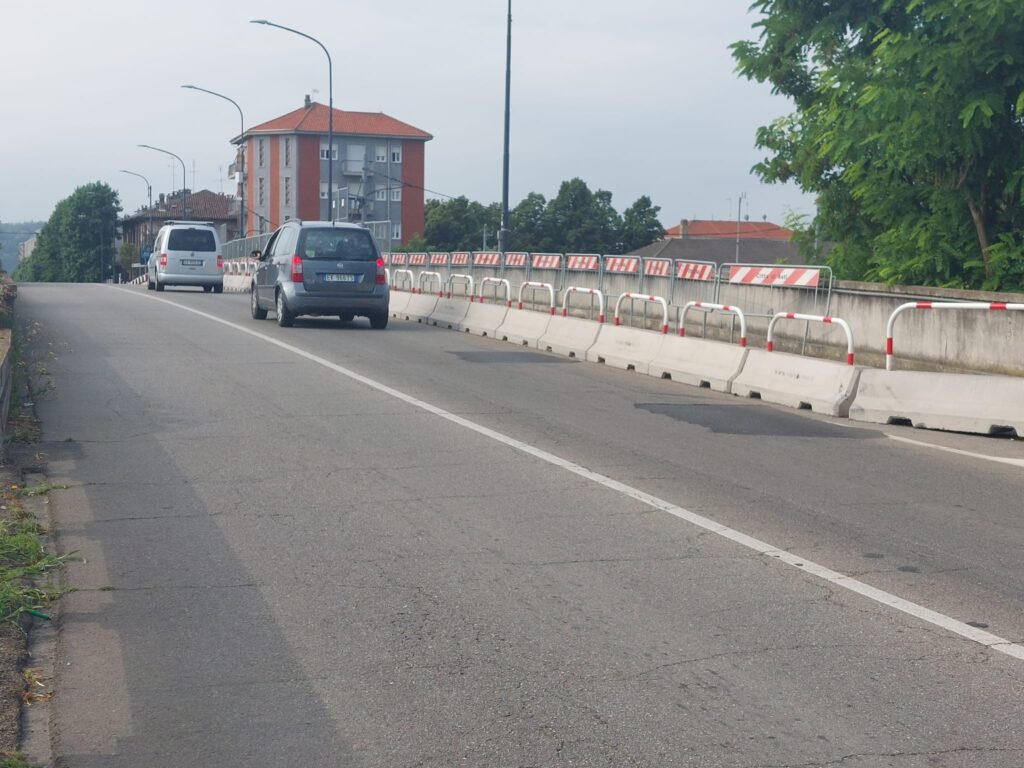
x=186, y=253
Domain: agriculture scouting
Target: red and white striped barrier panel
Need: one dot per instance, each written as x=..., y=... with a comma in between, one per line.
x=993, y=306
x=496, y=281
x=799, y=277
x=437, y=276
x=397, y=259
x=691, y=270
x=515, y=259
x=537, y=286
x=644, y=297
x=681, y=317
x=417, y=259
x=412, y=280
x=546, y=260
x=582, y=262
x=460, y=258
x=487, y=259
x=769, y=345
x=467, y=279
x=657, y=267
x=439, y=259
x=592, y=292
x=624, y=265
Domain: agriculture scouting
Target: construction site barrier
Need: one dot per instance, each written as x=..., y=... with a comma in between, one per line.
x=412, y=279
x=996, y=306
x=681, y=316
x=538, y=286
x=468, y=279
x=770, y=343
x=496, y=281
x=435, y=275
x=644, y=297
x=592, y=291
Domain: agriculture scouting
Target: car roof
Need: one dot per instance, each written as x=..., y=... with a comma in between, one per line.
x=325, y=224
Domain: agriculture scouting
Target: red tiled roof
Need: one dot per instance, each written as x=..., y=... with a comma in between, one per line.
x=762, y=230
x=203, y=205
x=313, y=119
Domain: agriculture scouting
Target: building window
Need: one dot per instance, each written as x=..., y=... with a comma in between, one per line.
x=380, y=194
x=287, y=190
x=323, y=152
x=396, y=231
x=323, y=191
x=396, y=195
x=382, y=153
x=287, y=152
x=259, y=146
x=396, y=154
x=261, y=197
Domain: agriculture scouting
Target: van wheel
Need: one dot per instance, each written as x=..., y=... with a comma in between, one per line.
x=285, y=318
x=254, y=306
x=207, y=288
x=379, y=321
x=159, y=285
x=149, y=285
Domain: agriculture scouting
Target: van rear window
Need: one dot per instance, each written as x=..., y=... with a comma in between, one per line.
x=337, y=244
x=191, y=240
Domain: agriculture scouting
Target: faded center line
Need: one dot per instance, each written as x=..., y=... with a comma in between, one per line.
x=835, y=578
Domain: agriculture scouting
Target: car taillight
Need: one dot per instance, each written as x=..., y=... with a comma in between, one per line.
x=296, y=272
x=382, y=278
x=163, y=260
x=220, y=261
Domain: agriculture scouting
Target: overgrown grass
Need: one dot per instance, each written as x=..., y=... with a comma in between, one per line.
x=17, y=760
x=23, y=561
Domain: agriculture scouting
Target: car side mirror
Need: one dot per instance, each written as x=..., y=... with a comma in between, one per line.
x=257, y=254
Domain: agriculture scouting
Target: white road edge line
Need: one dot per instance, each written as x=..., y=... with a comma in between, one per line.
x=958, y=451
x=987, y=639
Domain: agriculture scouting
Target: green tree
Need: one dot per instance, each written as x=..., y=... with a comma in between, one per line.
x=460, y=224
x=909, y=129
x=527, y=223
x=76, y=244
x=582, y=221
x=640, y=225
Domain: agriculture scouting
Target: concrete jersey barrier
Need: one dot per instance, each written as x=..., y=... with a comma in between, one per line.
x=699, y=362
x=484, y=319
x=398, y=301
x=449, y=313
x=569, y=336
x=523, y=326
x=626, y=348
x=961, y=402
x=823, y=386
x=419, y=307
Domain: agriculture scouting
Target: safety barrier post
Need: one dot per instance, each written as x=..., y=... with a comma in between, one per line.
x=412, y=279
x=592, y=292
x=769, y=345
x=997, y=306
x=528, y=284
x=644, y=297
x=468, y=280
x=681, y=316
x=440, y=282
x=497, y=281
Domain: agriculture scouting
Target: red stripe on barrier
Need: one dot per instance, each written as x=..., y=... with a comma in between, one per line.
x=997, y=305
x=888, y=346
x=790, y=316
x=849, y=359
x=826, y=319
x=768, y=347
x=743, y=341
x=923, y=305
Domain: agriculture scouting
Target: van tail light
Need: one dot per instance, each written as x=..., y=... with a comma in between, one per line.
x=296, y=272
x=163, y=260
x=381, y=278
x=220, y=261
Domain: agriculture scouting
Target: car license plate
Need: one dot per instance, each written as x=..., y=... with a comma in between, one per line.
x=191, y=262
x=336, y=277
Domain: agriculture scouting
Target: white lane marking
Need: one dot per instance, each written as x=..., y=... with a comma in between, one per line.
x=958, y=451
x=987, y=639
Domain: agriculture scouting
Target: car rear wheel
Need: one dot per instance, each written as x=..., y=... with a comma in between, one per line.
x=207, y=288
x=379, y=321
x=219, y=288
x=285, y=318
x=254, y=306
x=149, y=285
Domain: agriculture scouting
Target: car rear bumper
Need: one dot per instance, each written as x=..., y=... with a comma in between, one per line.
x=302, y=302
x=189, y=278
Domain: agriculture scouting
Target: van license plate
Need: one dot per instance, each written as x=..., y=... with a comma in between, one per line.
x=191, y=262
x=335, y=277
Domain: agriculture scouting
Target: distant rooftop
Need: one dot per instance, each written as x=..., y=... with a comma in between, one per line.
x=759, y=230
x=313, y=118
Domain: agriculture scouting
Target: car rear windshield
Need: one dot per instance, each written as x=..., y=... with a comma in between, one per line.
x=337, y=244
x=191, y=240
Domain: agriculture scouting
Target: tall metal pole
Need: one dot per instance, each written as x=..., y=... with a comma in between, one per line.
x=330, y=108
x=503, y=233
x=184, y=180
x=149, y=193
x=739, y=211
x=241, y=135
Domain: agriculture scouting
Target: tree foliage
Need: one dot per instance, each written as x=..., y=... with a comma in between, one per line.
x=908, y=128
x=76, y=244
x=576, y=220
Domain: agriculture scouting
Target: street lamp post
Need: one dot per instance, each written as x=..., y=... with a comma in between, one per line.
x=149, y=193
x=241, y=118
x=183, y=173
x=504, y=231
x=330, y=110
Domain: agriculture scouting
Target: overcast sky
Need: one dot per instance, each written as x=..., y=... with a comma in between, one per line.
x=637, y=98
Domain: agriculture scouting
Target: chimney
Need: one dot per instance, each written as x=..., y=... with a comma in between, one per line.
x=161, y=199
x=684, y=228
x=308, y=103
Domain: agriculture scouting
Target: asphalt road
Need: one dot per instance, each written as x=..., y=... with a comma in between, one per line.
x=328, y=545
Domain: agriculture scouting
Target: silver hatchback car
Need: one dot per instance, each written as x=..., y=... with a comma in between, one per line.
x=321, y=268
